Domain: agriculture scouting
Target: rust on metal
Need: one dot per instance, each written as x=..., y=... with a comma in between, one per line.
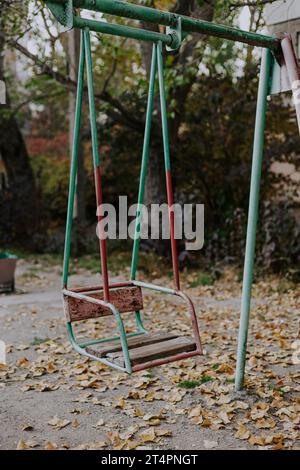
x=166, y=360
x=194, y=320
x=102, y=240
x=128, y=299
x=172, y=229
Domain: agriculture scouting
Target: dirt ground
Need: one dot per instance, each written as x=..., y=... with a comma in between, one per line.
x=52, y=398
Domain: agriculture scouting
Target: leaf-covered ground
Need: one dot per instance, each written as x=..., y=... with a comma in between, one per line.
x=52, y=398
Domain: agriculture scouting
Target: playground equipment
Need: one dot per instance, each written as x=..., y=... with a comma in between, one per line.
x=279, y=72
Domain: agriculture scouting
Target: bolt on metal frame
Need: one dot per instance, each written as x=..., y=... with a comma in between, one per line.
x=177, y=26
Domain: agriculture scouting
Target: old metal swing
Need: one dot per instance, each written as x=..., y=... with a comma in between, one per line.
x=279, y=72
x=139, y=350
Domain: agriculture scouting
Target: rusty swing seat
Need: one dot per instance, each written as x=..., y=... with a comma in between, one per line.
x=128, y=352
x=145, y=350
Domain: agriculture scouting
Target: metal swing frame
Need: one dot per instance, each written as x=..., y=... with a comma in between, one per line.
x=279, y=72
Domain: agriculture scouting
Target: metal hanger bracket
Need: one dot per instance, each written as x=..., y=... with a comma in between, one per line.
x=63, y=13
x=176, y=33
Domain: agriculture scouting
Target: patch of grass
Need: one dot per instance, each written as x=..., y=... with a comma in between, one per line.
x=116, y=262
x=190, y=384
x=202, y=279
x=230, y=380
x=206, y=378
x=89, y=262
x=215, y=366
x=36, y=341
x=272, y=386
x=149, y=374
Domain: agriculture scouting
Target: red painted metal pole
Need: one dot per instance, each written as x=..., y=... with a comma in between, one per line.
x=166, y=360
x=101, y=235
x=97, y=163
x=172, y=229
x=165, y=130
x=195, y=326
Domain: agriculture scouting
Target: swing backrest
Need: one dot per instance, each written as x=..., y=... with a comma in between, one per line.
x=125, y=299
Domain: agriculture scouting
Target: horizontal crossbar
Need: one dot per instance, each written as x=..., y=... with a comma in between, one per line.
x=123, y=31
x=189, y=25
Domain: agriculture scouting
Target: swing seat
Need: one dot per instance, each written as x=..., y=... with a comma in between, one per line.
x=145, y=350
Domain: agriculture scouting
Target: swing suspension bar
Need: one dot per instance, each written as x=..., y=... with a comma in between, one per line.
x=157, y=63
x=89, y=298
x=151, y=15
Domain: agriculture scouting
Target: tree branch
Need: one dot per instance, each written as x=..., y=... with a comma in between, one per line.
x=122, y=115
x=31, y=98
x=258, y=3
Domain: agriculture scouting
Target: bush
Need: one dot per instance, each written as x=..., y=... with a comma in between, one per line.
x=277, y=246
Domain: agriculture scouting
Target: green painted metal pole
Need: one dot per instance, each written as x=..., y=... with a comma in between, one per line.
x=90, y=80
x=258, y=148
x=74, y=161
x=163, y=105
x=144, y=165
x=123, y=31
x=81, y=350
x=189, y=24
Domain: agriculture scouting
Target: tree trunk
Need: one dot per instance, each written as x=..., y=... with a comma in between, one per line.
x=18, y=201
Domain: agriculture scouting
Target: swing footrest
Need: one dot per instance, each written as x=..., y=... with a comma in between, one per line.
x=145, y=349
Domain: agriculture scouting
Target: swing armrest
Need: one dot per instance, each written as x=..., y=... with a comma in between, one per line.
x=185, y=297
x=146, y=285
